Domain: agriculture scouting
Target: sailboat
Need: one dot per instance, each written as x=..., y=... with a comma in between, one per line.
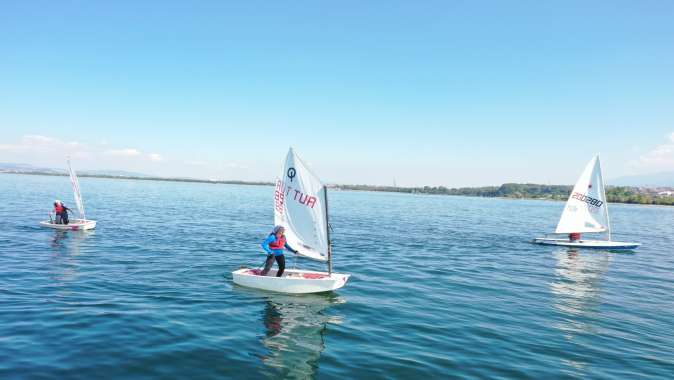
x=586, y=211
x=80, y=223
x=301, y=206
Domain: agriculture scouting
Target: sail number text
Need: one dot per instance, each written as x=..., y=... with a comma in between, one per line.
x=284, y=192
x=589, y=200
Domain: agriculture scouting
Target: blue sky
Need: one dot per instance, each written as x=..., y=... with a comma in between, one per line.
x=442, y=93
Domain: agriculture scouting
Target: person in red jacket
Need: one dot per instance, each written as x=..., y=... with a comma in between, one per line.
x=61, y=212
x=274, y=245
x=58, y=212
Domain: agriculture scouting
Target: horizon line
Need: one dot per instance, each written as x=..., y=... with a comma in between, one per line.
x=271, y=183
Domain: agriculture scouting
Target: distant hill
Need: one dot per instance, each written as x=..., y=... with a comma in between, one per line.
x=27, y=168
x=112, y=173
x=662, y=179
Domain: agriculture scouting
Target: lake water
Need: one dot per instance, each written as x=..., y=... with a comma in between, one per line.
x=441, y=287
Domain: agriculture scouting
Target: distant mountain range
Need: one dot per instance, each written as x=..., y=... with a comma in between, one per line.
x=662, y=179
x=26, y=168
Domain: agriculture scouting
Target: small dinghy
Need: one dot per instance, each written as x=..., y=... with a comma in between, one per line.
x=586, y=211
x=293, y=280
x=79, y=224
x=301, y=206
x=73, y=225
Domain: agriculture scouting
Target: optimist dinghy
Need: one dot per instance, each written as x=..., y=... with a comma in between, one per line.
x=586, y=211
x=80, y=223
x=301, y=206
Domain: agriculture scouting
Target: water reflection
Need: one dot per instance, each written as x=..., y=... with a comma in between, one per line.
x=295, y=329
x=57, y=241
x=67, y=247
x=70, y=241
x=577, y=287
x=577, y=293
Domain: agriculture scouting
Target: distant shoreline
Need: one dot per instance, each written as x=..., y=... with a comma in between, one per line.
x=136, y=178
x=614, y=194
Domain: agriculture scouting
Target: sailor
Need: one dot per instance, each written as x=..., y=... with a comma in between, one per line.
x=274, y=246
x=58, y=212
x=61, y=212
x=64, y=215
x=574, y=237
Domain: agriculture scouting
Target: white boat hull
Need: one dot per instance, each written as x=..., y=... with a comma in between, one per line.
x=293, y=281
x=74, y=225
x=598, y=244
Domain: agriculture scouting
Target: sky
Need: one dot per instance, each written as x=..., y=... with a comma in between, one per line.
x=453, y=93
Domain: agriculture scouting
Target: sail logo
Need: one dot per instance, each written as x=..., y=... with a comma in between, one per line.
x=291, y=173
x=284, y=192
x=594, y=203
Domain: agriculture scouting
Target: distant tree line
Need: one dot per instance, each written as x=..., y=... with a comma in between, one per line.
x=621, y=194
x=615, y=194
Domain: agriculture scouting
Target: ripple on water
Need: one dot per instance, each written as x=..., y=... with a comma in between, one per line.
x=442, y=287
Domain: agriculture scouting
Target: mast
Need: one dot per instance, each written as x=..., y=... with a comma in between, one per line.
x=603, y=189
x=327, y=230
x=76, y=190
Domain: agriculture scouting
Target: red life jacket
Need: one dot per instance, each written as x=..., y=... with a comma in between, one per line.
x=280, y=243
x=58, y=209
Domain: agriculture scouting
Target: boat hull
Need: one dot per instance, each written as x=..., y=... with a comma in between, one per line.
x=597, y=244
x=293, y=281
x=74, y=225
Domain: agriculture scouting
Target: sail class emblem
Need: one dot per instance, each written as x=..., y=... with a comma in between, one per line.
x=291, y=173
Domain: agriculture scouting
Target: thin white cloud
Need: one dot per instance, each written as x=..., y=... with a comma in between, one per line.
x=40, y=140
x=660, y=157
x=8, y=147
x=234, y=165
x=51, y=152
x=127, y=152
x=39, y=144
x=42, y=144
x=196, y=163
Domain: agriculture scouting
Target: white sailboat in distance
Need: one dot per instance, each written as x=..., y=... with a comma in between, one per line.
x=301, y=206
x=586, y=211
x=80, y=223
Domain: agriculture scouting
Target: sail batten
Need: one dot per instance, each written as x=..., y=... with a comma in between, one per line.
x=299, y=206
x=76, y=191
x=586, y=209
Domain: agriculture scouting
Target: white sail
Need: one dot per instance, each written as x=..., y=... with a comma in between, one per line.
x=586, y=210
x=76, y=191
x=299, y=206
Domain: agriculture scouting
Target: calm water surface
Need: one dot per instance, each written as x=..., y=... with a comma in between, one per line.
x=442, y=287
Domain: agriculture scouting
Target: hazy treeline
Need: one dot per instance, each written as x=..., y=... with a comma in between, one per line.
x=622, y=194
x=615, y=194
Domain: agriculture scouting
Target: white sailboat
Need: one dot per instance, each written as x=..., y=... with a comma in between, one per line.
x=586, y=211
x=78, y=224
x=301, y=206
